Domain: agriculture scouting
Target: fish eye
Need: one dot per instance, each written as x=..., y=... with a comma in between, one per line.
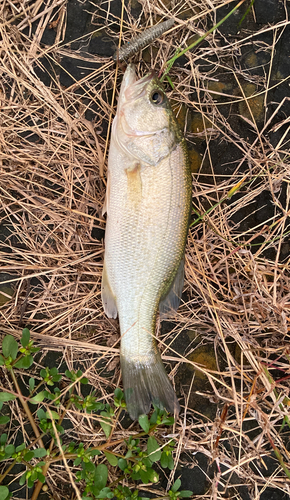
x=157, y=97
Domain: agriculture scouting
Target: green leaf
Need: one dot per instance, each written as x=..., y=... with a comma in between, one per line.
x=24, y=362
x=118, y=393
x=88, y=466
x=122, y=463
x=77, y=461
x=144, y=423
x=101, y=476
x=41, y=477
x=9, y=347
x=34, y=349
x=21, y=447
x=48, y=395
x=105, y=493
x=34, y=474
x=112, y=459
x=41, y=414
x=52, y=414
x=31, y=383
x=28, y=456
x=38, y=398
x=153, y=449
x=2, y=361
x=153, y=418
x=4, y=420
x=22, y=479
x=144, y=475
x=135, y=476
x=3, y=439
x=168, y=421
x=105, y=426
x=9, y=450
x=30, y=482
x=170, y=462
x=153, y=476
x=6, y=396
x=164, y=460
x=25, y=337
x=4, y=492
x=60, y=429
x=185, y=493
x=39, y=452
x=147, y=462
x=93, y=453
x=176, y=486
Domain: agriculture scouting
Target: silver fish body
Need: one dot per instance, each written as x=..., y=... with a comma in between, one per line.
x=148, y=204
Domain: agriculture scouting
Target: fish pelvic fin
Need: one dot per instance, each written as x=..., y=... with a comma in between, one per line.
x=108, y=299
x=105, y=209
x=145, y=383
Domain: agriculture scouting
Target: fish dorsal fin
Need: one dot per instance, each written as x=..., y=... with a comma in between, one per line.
x=170, y=302
x=108, y=299
x=106, y=202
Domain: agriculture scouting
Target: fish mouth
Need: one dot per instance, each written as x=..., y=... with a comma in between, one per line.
x=146, y=79
x=129, y=77
x=137, y=88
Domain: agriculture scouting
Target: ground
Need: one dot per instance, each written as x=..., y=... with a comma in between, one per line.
x=226, y=349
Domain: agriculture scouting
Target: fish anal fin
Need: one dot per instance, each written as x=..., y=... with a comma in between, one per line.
x=108, y=299
x=145, y=383
x=170, y=302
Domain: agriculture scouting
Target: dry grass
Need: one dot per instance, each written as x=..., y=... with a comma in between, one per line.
x=51, y=195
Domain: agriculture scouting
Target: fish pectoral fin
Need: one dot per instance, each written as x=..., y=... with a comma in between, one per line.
x=171, y=301
x=134, y=183
x=147, y=382
x=106, y=202
x=108, y=299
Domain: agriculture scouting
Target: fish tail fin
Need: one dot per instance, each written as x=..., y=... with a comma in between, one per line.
x=145, y=383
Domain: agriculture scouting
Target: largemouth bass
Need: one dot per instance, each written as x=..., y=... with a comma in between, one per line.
x=148, y=203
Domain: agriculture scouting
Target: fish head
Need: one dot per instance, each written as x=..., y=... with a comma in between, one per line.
x=145, y=126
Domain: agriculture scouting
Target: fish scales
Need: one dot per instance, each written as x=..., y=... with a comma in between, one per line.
x=148, y=207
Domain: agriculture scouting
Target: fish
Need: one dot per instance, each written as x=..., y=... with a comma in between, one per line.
x=148, y=205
